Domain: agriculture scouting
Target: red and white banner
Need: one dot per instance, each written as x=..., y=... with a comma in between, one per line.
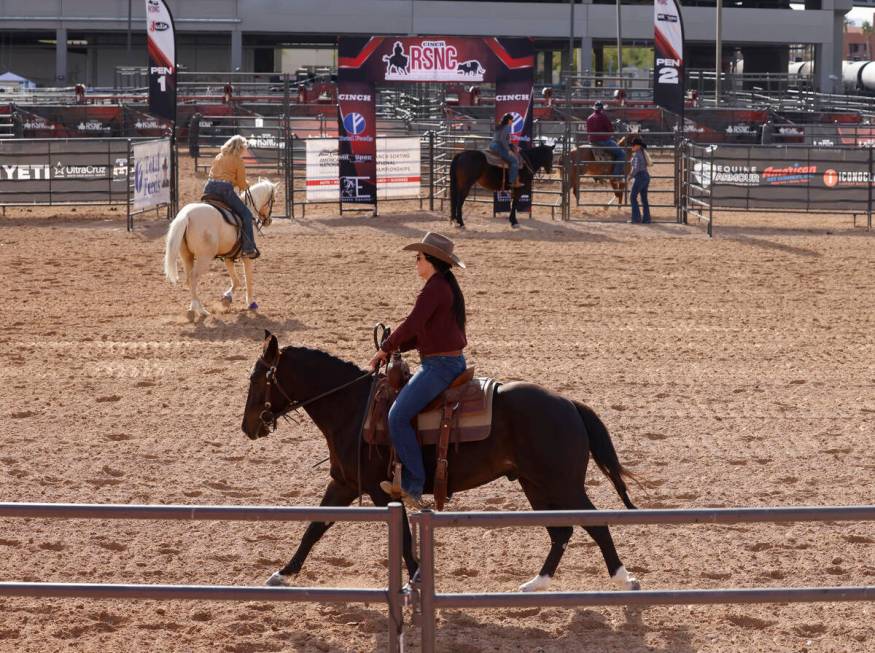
x=668, y=55
x=161, y=43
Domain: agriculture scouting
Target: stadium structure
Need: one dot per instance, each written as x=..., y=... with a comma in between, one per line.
x=62, y=43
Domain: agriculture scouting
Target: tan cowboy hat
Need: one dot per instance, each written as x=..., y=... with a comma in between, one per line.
x=438, y=246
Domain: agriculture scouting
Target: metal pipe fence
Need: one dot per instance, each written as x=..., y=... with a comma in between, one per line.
x=392, y=594
x=430, y=600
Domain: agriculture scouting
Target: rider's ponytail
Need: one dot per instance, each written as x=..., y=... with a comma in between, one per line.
x=446, y=270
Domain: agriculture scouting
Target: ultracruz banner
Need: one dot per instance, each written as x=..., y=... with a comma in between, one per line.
x=668, y=56
x=161, y=42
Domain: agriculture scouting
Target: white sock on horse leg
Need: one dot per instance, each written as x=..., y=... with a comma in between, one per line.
x=537, y=584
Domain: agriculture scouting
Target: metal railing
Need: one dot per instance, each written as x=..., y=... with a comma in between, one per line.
x=391, y=594
x=430, y=600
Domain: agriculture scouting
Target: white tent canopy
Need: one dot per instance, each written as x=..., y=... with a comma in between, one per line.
x=10, y=79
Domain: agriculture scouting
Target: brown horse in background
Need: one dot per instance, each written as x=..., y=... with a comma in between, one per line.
x=583, y=162
x=469, y=167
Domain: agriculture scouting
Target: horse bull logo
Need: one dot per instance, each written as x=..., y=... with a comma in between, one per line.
x=471, y=67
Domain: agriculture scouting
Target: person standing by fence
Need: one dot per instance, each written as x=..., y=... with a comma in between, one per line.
x=641, y=161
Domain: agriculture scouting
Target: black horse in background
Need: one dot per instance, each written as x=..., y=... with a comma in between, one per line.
x=470, y=167
x=538, y=437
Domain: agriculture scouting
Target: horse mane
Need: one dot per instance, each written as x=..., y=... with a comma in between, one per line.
x=310, y=354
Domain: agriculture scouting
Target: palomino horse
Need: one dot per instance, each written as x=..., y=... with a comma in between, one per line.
x=470, y=167
x=539, y=437
x=198, y=234
x=584, y=162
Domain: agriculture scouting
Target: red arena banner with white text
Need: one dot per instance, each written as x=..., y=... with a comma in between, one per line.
x=365, y=61
x=161, y=43
x=668, y=56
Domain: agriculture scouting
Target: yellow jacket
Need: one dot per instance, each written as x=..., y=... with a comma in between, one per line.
x=229, y=168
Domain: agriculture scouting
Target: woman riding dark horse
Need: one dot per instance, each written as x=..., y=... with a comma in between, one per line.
x=537, y=436
x=436, y=328
x=470, y=167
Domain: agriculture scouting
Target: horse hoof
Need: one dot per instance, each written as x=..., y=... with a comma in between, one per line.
x=537, y=584
x=253, y=306
x=227, y=298
x=514, y=225
x=190, y=315
x=277, y=580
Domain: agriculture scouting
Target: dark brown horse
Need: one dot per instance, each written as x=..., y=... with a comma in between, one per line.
x=470, y=167
x=538, y=437
x=584, y=162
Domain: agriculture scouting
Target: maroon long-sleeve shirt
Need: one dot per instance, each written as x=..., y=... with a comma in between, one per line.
x=431, y=326
x=599, y=127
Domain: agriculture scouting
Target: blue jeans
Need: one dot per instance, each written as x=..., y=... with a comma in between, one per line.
x=505, y=154
x=433, y=377
x=225, y=190
x=639, y=187
x=616, y=151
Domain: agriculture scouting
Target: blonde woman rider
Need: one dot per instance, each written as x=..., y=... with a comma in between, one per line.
x=227, y=173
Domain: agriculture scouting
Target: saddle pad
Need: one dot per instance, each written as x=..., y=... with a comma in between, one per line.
x=226, y=212
x=472, y=423
x=494, y=160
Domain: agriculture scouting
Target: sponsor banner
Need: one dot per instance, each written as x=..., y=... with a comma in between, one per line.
x=357, y=139
x=435, y=58
x=55, y=172
x=399, y=173
x=515, y=98
x=151, y=174
x=668, y=56
x=161, y=43
x=783, y=177
x=398, y=169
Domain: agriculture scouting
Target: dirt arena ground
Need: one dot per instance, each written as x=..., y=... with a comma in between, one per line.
x=736, y=371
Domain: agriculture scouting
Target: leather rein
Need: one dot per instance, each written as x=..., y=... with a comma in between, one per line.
x=263, y=216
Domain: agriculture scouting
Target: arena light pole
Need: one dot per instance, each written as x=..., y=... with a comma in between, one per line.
x=570, y=50
x=619, y=42
x=717, y=52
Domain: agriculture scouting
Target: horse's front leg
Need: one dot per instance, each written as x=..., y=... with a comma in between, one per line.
x=513, y=202
x=250, y=284
x=335, y=495
x=228, y=296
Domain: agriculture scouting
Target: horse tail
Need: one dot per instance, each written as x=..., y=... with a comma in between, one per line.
x=174, y=241
x=604, y=454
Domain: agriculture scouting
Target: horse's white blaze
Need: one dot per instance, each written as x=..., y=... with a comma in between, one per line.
x=277, y=580
x=624, y=580
x=537, y=584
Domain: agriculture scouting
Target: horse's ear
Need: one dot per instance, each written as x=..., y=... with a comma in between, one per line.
x=270, y=347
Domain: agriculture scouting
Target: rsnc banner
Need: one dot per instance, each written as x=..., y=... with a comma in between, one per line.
x=398, y=169
x=357, y=128
x=668, y=55
x=161, y=43
x=151, y=174
x=435, y=58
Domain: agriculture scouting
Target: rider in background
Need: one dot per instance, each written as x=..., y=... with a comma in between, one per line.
x=600, y=131
x=227, y=172
x=436, y=327
x=502, y=146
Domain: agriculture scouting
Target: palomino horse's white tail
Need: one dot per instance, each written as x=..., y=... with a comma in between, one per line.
x=174, y=240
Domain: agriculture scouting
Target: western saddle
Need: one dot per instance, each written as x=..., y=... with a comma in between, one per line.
x=462, y=413
x=494, y=160
x=230, y=216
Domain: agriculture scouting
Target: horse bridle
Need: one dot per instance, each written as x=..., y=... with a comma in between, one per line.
x=262, y=216
x=267, y=416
